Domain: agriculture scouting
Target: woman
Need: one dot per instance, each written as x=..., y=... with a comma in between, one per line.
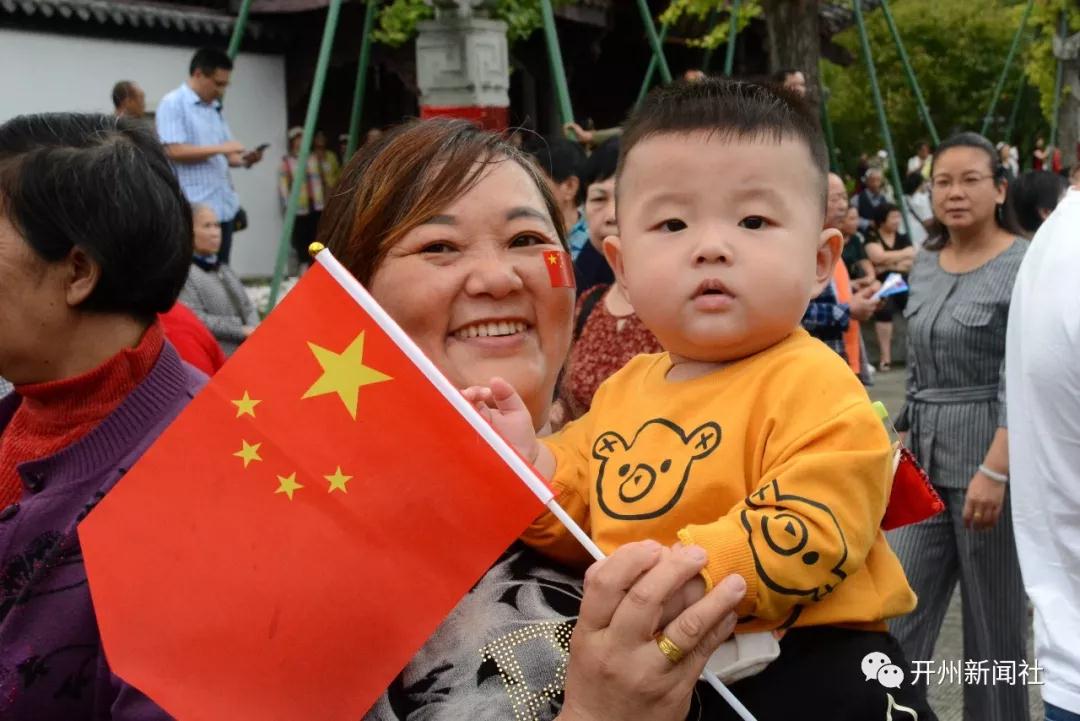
x=955, y=419
x=327, y=159
x=859, y=267
x=446, y=225
x=607, y=332
x=312, y=195
x=891, y=252
x=82, y=279
x=213, y=291
x=1032, y=198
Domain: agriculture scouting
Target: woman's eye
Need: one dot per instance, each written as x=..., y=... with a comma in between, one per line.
x=527, y=239
x=673, y=225
x=438, y=247
x=753, y=222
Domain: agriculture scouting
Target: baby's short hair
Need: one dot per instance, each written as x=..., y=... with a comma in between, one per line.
x=729, y=110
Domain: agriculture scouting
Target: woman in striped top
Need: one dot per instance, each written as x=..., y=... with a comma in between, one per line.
x=955, y=422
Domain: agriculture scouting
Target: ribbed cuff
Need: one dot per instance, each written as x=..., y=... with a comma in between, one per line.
x=728, y=552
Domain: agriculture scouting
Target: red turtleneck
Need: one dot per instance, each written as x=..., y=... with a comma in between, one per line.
x=55, y=414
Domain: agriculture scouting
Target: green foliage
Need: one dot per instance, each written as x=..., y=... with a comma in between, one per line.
x=398, y=19
x=1040, y=65
x=702, y=9
x=957, y=51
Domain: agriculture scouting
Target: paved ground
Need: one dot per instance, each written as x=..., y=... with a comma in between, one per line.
x=946, y=698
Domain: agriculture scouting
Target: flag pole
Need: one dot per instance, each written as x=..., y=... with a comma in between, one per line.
x=518, y=464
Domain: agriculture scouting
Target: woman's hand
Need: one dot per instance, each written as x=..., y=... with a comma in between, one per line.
x=983, y=503
x=582, y=135
x=616, y=669
x=503, y=408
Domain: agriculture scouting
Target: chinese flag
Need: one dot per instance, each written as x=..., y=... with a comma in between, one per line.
x=560, y=268
x=304, y=525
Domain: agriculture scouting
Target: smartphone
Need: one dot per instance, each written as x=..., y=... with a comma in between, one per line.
x=262, y=147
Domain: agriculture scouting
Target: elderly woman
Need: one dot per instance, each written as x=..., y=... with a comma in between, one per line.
x=961, y=286
x=213, y=291
x=82, y=279
x=447, y=225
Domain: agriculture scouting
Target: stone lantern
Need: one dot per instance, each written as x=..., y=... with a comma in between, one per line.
x=462, y=64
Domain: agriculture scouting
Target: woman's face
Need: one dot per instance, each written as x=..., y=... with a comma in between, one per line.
x=851, y=222
x=470, y=286
x=963, y=191
x=207, y=232
x=892, y=222
x=600, y=212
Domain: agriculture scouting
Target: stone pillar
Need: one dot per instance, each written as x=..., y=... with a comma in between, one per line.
x=462, y=65
x=1069, y=112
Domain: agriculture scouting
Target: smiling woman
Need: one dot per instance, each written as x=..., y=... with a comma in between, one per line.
x=448, y=227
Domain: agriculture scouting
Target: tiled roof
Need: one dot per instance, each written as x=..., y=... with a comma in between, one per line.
x=180, y=18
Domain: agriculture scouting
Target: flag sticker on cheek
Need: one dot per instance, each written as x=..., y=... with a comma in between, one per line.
x=560, y=269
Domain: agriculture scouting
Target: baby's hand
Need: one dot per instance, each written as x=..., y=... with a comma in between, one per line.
x=503, y=408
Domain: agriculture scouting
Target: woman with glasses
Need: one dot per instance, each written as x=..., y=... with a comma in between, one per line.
x=955, y=422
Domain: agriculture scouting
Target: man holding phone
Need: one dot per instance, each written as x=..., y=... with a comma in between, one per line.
x=199, y=143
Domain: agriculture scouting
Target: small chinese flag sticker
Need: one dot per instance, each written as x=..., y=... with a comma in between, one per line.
x=560, y=268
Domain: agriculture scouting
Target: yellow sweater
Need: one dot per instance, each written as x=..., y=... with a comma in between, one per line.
x=776, y=465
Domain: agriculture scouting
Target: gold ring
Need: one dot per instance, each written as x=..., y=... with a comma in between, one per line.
x=669, y=648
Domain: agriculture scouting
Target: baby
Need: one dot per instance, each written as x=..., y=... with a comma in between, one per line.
x=747, y=437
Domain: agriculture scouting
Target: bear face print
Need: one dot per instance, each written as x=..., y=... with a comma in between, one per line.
x=787, y=543
x=644, y=478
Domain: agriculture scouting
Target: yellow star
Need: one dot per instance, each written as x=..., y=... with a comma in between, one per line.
x=344, y=373
x=288, y=485
x=249, y=453
x=245, y=406
x=338, y=481
x=553, y=260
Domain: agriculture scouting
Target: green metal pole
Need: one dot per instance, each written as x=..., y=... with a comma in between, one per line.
x=646, y=84
x=733, y=31
x=1015, y=108
x=238, y=29
x=706, y=58
x=1008, y=66
x=300, y=176
x=361, y=80
x=912, y=81
x=558, y=73
x=879, y=105
x=1063, y=31
x=654, y=40
x=826, y=124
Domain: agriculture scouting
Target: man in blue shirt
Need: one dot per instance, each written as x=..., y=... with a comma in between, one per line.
x=199, y=143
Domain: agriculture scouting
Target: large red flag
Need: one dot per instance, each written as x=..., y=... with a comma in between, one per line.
x=305, y=524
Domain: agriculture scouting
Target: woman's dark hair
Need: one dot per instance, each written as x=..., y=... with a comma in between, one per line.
x=600, y=166
x=558, y=157
x=104, y=185
x=881, y=213
x=405, y=178
x=912, y=182
x=1034, y=191
x=939, y=234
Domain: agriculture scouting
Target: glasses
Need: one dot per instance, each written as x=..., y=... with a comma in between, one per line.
x=967, y=182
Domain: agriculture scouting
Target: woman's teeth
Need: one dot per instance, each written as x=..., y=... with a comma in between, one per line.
x=487, y=330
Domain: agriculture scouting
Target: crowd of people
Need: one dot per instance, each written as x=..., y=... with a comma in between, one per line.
x=713, y=249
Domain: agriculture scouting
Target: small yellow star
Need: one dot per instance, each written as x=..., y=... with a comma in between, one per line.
x=245, y=406
x=344, y=373
x=338, y=481
x=553, y=260
x=288, y=485
x=250, y=452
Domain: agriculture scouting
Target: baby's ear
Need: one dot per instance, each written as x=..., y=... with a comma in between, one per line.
x=613, y=253
x=830, y=245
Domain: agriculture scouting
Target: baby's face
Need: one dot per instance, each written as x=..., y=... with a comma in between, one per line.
x=720, y=245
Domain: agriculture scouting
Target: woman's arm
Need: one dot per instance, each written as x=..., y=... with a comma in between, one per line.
x=985, y=495
x=616, y=670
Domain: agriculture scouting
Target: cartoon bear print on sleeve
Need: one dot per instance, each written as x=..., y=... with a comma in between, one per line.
x=645, y=478
x=792, y=558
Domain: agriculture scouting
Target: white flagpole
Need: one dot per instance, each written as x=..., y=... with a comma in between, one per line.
x=522, y=469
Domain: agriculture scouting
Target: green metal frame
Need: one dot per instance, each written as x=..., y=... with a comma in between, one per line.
x=733, y=32
x=558, y=72
x=238, y=29
x=706, y=57
x=361, y=80
x=646, y=84
x=905, y=61
x=654, y=40
x=879, y=105
x=989, y=118
x=1063, y=31
x=310, y=120
x=1015, y=112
